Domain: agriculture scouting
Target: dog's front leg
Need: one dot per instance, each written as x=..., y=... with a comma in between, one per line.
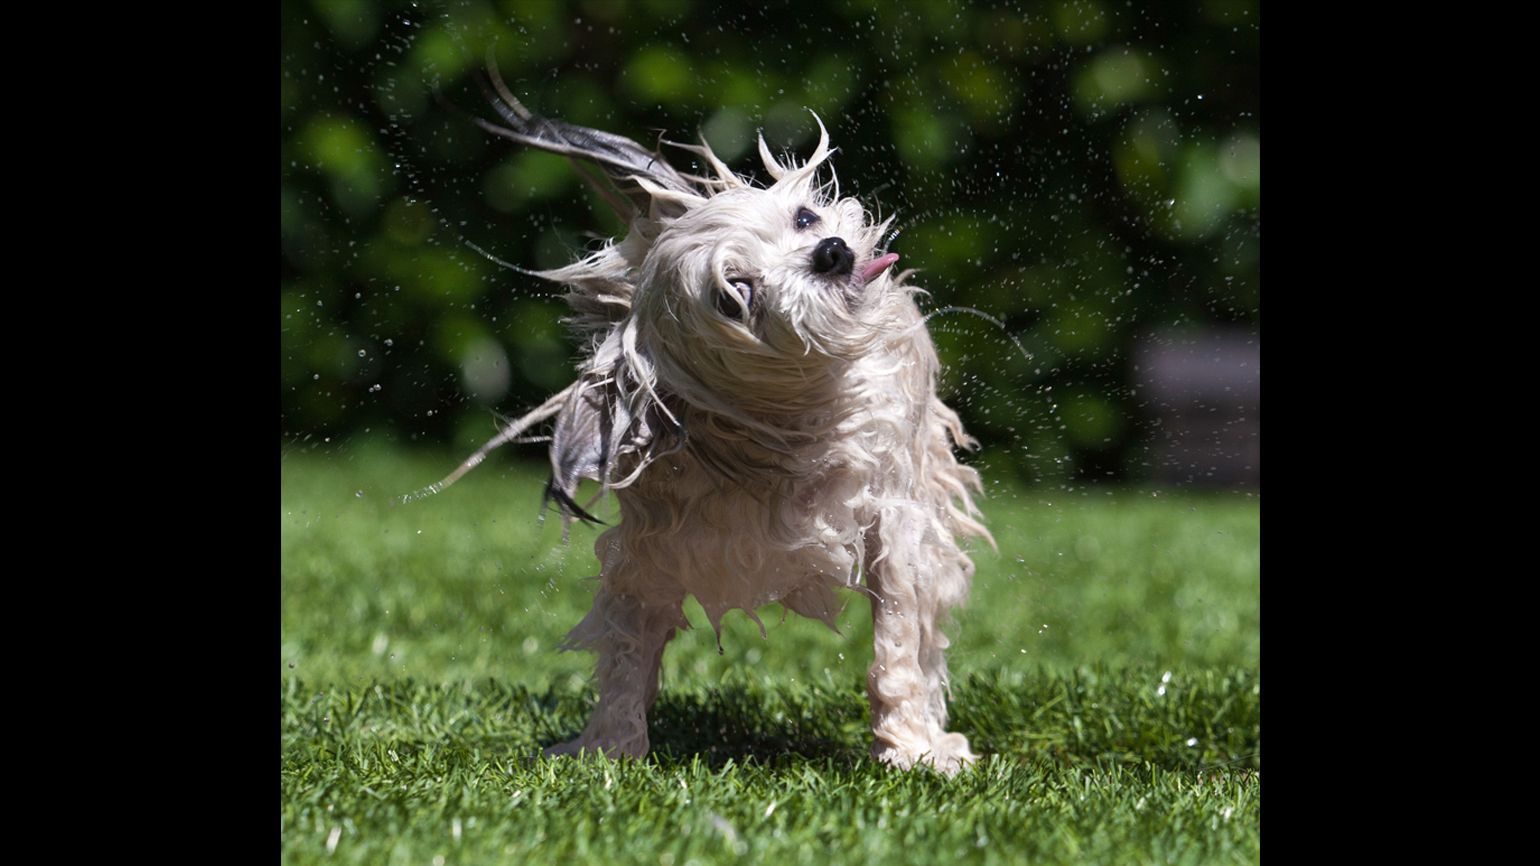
x=629, y=632
x=907, y=682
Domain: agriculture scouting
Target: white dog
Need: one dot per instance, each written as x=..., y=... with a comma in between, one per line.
x=759, y=392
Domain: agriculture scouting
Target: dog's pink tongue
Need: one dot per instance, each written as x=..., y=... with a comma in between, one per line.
x=877, y=266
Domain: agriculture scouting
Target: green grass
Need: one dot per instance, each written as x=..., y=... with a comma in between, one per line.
x=1107, y=663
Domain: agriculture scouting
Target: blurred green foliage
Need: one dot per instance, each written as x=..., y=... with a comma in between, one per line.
x=1086, y=171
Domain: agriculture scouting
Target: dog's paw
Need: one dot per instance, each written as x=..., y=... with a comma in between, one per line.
x=571, y=747
x=947, y=755
x=951, y=754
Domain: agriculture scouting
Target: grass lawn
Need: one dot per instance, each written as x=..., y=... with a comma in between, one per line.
x=1107, y=663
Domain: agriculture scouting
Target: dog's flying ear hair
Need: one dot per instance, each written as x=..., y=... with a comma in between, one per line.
x=643, y=178
x=615, y=420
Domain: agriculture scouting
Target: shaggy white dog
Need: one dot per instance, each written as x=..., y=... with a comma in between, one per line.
x=758, y=390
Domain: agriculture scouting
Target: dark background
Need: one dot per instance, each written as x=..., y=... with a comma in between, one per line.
x=1086, y=172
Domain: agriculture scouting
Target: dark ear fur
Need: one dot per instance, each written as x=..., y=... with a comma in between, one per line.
x=599, y=437
x=630, y=167
x=579, y=447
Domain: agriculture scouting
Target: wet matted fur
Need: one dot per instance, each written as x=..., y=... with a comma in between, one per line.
x=761, y=401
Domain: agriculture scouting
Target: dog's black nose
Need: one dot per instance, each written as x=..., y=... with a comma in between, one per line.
x=832, y=256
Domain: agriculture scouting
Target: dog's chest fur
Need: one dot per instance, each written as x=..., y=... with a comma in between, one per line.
x=809, y=513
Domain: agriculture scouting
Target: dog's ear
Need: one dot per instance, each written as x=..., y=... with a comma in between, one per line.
x=581, y=445
x=610, y=428
x=646, y=183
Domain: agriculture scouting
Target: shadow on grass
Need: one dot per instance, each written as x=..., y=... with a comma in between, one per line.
x=1203, y=720
x=1089, y=717
x=734, y=724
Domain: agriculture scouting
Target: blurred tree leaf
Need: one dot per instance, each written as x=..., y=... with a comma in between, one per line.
x=1083, y=170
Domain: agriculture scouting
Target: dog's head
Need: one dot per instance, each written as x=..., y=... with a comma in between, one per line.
x=752, y=293
x=728, y=300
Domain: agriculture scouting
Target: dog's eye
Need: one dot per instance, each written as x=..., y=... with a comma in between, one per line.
x=806, y=218
x=736, y=308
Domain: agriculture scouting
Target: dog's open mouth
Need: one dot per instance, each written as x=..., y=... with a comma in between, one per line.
x=877, y=266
